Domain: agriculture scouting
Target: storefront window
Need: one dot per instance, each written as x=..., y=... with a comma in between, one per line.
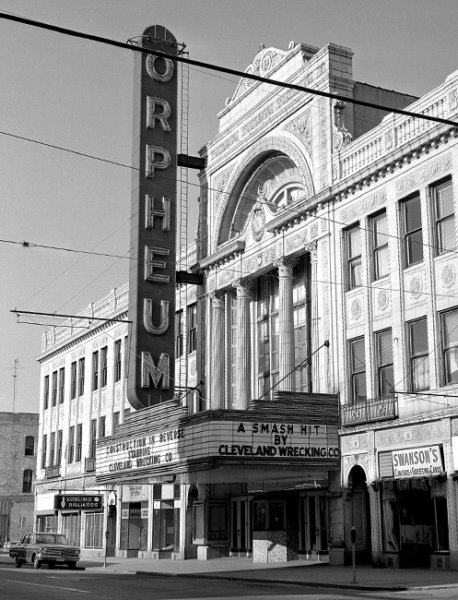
x=71, y=525
x=46, y=523
x=269, y=515
x=217, y=522
x=440, y=539
x=390, y=520
x=166, y=527
x=94, y=530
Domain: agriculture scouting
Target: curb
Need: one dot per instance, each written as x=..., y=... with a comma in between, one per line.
x=349, y=586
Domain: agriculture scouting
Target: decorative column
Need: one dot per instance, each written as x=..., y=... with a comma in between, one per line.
x=316, y=368
x=286, y=325
x=217, y=351
x=242, y=350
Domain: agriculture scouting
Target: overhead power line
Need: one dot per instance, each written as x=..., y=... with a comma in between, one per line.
x=227, y=70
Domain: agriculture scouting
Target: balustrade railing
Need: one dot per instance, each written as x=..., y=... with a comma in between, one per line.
x=375, y=409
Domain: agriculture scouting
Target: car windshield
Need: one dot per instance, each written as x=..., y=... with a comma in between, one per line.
x=51, y=538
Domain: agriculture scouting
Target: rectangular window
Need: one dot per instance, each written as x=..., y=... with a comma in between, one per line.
x=79, y=442
x=61, y=385
x=54, y=389
x=379, y=250
x=267, y=332
x=81, y=375
x=73, y=380
x=357, y=370
x=95, y=371
x=384, y=357
x=93, y=438
x=104, y=365
x=102, y=425
x=52, y=450
x=46, y=392
x=126, y=354
x=117, y=360
x=419, y=357
x=71, y=444
x=115, y=422
x=93, y=534
x=353, y=239
x=27, y=481
x=60, y=437
x=449, y=330
x=192, y=328
x=44, y=450
x=302, y=372
x=179, y=333
x=412, y=233
x=29, y=449
x=444, y=212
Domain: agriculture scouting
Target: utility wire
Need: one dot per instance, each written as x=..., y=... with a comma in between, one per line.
x=205, y=65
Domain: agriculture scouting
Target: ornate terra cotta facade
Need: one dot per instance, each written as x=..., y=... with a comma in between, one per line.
x=317, y=357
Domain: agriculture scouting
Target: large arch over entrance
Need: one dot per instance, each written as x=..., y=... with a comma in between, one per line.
x=358, y=513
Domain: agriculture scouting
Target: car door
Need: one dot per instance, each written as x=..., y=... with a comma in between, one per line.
x=22, y=548
x=27, y=547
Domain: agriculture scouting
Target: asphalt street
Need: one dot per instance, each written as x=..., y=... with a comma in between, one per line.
x=60, y=583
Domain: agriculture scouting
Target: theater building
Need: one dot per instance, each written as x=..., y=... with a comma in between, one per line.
x=307, y=385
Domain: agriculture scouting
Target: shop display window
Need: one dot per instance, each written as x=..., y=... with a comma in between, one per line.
x=269, y=515
x=166, y=530
x=93, y=534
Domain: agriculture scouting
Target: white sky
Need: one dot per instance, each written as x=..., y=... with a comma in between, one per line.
x=78, y=95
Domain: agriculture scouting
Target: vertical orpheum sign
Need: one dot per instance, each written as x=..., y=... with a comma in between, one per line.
x=151, y=360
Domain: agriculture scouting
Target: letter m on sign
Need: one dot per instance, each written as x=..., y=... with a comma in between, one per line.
x=153, y=373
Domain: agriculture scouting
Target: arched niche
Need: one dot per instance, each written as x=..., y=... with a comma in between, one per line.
x=274, y=171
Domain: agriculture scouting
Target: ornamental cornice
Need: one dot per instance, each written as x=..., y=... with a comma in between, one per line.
x=75, y=342
x=423, y=174
x=225, y=252
x=366, y=176
x=405, y=436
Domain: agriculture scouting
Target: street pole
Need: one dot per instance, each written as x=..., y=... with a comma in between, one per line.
x=105, y=550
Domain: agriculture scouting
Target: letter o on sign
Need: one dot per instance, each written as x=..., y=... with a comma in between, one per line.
x=165, y=65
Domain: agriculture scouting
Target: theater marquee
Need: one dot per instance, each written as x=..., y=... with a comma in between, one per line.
x=153, y=223
x=218, y=442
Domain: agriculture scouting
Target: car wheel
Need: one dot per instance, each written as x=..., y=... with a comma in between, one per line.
x=51, y=565
x=71, y=565
x=18, y=562
x=36, y=563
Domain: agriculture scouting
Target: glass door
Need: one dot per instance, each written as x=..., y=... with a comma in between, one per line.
x=314, y=538
x=240, y=525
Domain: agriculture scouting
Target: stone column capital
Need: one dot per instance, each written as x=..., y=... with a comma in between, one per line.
x=312, y=250
x=285, y=266
x=243, y=286
x=216, y=296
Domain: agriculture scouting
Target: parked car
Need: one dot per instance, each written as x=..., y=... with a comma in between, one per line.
x=44, y=548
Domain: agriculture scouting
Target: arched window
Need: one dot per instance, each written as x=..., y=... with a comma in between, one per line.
x=29, y=445
x=27, y=481
x=276, y=182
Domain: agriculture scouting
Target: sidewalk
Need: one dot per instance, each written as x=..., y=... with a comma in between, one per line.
x=298, y=572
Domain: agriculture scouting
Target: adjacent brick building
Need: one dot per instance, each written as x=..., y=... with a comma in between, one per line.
x=18, y=443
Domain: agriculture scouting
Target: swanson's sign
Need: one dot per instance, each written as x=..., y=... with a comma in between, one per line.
x=221, y=441
x=417, y=462
x=153, y=223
